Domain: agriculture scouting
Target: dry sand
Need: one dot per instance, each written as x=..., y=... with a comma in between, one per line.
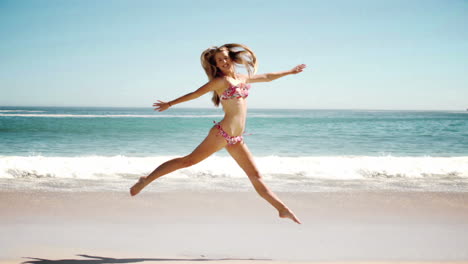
x=223, y=227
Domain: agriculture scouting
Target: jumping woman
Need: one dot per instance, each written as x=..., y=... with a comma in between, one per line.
x=230, y=89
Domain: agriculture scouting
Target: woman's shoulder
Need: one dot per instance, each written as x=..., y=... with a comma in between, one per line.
x=220, y=83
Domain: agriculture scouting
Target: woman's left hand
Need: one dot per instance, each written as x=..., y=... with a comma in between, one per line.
x=161, y=106
x=298, y=68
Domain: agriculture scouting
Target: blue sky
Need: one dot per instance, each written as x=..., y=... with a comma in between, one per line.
x=360, y=54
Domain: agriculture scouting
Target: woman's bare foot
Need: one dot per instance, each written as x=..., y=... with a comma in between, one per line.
x=138, y=186
x=286, y=213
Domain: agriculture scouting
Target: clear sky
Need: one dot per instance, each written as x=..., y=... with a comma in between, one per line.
x=369, y=54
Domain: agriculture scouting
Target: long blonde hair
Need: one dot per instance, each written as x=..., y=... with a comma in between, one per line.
x=239, y=54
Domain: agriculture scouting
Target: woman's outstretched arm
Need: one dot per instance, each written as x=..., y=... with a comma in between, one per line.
x=268, y=77
x=212, y=85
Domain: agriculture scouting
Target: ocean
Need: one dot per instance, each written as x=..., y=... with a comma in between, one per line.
x=81, y=149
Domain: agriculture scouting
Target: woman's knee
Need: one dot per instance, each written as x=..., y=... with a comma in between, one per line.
x=259, y=185
x=255, y=175
x=188, y=161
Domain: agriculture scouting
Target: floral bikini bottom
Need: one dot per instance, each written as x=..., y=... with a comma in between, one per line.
x=230, y=139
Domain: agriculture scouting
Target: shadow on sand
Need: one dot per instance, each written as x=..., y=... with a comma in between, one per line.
x=105, y=260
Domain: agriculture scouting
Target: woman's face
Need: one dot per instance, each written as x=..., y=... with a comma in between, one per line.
x=223, y=61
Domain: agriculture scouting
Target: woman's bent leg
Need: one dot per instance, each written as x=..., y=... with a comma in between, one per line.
x=244, y=158
x=212, y=143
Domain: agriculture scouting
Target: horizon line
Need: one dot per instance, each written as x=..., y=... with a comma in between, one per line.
x=259, y=108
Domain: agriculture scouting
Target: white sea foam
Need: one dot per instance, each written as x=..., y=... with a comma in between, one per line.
x=288, y=168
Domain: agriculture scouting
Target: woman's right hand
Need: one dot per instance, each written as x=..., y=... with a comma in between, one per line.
x=161, y=106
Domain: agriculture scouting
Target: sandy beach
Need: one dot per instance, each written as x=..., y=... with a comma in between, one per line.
x=194, y=227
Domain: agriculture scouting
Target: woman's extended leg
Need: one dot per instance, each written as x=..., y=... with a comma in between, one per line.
x=244, y=158
x=212, y=143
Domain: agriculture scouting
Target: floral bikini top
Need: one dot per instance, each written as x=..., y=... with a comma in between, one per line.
x=238, y=91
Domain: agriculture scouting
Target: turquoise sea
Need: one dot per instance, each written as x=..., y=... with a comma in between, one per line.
x=91, y=148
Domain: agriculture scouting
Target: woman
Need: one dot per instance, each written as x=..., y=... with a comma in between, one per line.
x=231, y=90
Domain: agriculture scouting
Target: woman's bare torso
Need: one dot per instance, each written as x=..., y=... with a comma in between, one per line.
x=235, y=111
